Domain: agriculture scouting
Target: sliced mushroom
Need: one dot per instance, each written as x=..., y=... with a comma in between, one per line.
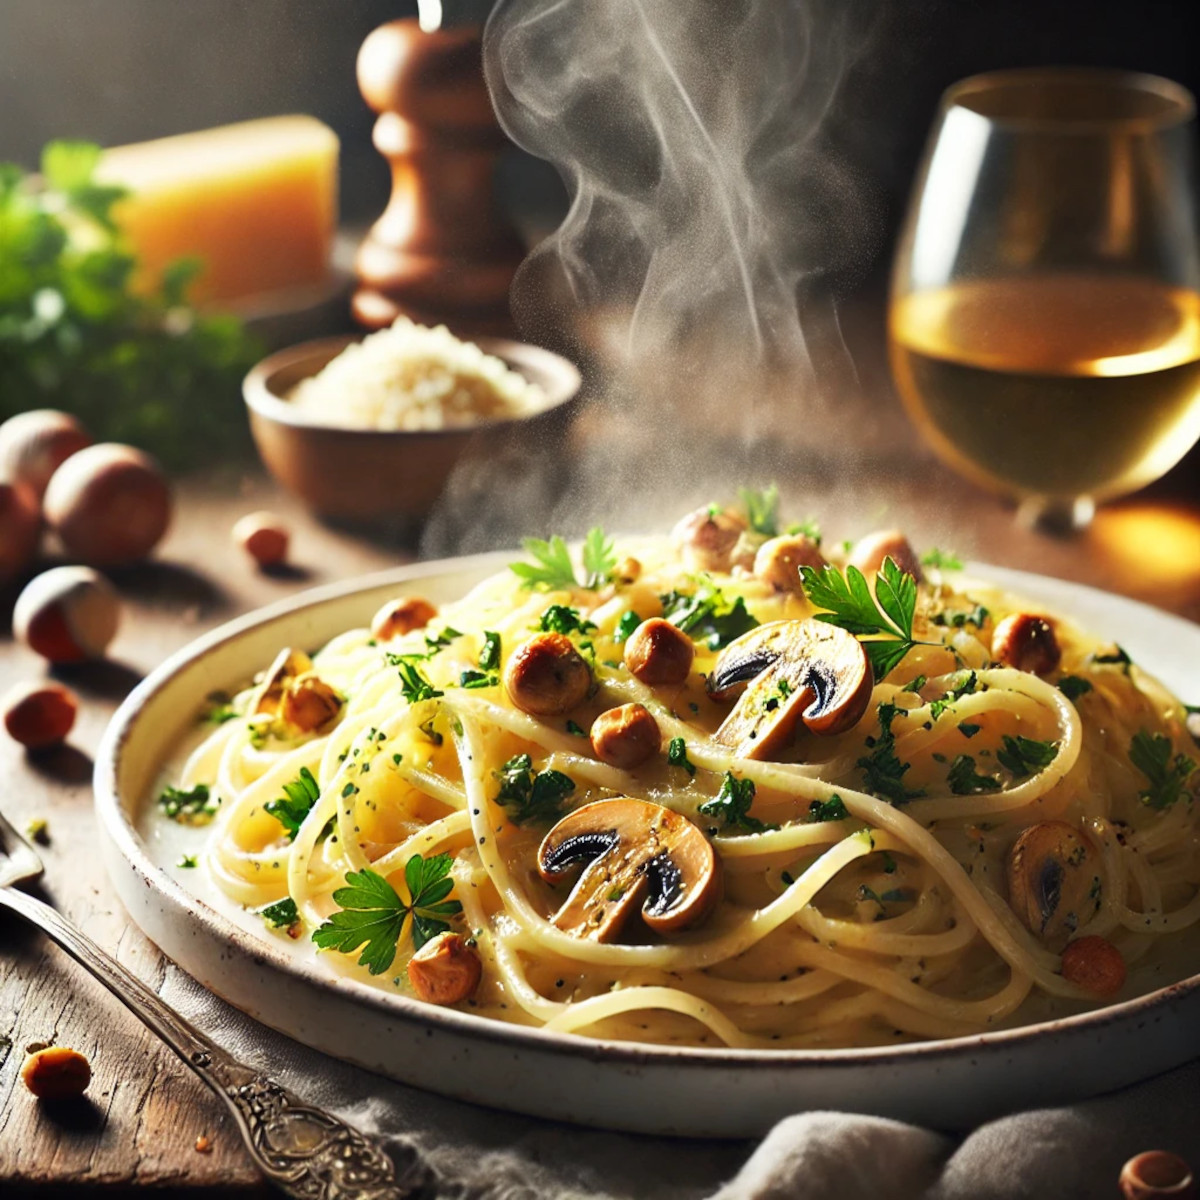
x=1026, y=642
x=869, y=553
x=707, y=539
x=796, y=671
x=289, y=664
x=637, y=855
x=1054, y=880
x=779, y=560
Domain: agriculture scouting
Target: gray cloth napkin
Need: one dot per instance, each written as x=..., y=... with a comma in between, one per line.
x=481, y=1154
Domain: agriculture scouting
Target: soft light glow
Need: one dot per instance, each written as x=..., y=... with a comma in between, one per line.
x=429, y=15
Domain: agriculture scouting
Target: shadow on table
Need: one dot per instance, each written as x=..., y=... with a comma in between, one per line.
x=103, y=679
x=172, y=586
x=62, y=763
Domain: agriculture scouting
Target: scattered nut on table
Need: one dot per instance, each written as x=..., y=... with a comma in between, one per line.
x=1157, y=1173
x=264, y=537
x=67, y=614
x=56, y=1073
x=34, y=444
x=39, y=714
x=203, y=1144
x=446, y=970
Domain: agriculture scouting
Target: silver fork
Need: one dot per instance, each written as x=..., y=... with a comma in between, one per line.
x=303, y=1150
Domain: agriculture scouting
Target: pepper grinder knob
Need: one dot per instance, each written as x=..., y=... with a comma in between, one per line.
x=442, y=252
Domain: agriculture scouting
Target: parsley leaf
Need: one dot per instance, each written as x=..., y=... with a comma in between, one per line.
x=529, y=797
x=708, y=615
x=1151, y=754
x=281, y=914
x=964, y=781
x=1117, y=657
x=942, y=560
x=1074, y=686
x=1022, y=755
x=886, y=617
x=562, y=618
x=762, y=509
x=968, y=728
x=626, y=625
x=372, y=915
x=808, y=528
x=191, y=806
x=832, y=809
x=883, y=772
x=677, y=755
x=472, y=679
x=413, y=684
x=555, y=571
x=732, y=805
x=976, y=616
x=296, y=802
x=188, y=861
x=489, y=656
x=966, y=688
x=599, y=558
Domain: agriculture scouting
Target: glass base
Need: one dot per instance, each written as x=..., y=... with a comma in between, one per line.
x=1056, y=515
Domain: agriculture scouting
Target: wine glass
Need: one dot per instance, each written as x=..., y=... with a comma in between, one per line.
x=1044, y=322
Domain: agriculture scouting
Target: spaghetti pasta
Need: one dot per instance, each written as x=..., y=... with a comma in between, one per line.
x=874, y=877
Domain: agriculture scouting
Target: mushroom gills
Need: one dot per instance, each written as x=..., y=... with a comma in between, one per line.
x=666, y=885
x=582, y=848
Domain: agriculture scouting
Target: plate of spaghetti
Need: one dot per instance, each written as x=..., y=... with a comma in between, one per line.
x=682, y=834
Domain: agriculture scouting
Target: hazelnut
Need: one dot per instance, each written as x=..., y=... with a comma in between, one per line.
x=401, y=616
x=625, y=737
x=309, y=702
x=657, y=653
x=39, y=714
x=1027, y=643
x=1094, y=964
x=109, y=504
x=446, y=970
x=1157, y=1173
x=67, y=614
x=707, y=539
x=627, y=570
x=869, y=553
x=779, y=560
x=264, y=537
x=34, y=444
x=56, y=1073
x=20, y=530
x=547, y=675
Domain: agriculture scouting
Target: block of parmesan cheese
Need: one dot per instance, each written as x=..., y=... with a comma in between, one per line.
x=256, y=201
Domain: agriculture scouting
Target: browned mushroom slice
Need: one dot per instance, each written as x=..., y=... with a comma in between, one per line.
x=1054, y=880
x=288, y=665
x=796, y=671
x=637, y=855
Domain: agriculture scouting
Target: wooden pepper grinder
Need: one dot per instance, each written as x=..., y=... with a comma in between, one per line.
x=441, y=253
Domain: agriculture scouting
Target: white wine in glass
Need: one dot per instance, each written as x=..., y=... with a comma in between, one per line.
x=1045, y=317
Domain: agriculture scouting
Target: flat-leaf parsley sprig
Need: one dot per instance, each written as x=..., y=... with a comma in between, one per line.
x=372, y=914
x=885, y=618
x=553, y=569
x=1166, y=774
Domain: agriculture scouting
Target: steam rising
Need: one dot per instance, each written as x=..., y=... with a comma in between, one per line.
x=711, y=221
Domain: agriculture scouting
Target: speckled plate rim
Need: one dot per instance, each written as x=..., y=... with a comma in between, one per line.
x=1072, y=599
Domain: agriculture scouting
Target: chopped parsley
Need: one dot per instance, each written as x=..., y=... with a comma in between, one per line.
x=965, y=781
x=296, y=802
x=942, y=560
x=708, y=615
x=554, y=570
x=732, y=805
x=677, y=755
x=832, y=809
x=489, y=656
x=281, y=914
x=528, y=797
x=576, y=729
x=807, y=528
x=439, y=641
x=762, y=509
x=1117, y=657
x=218, y=714
x=1074, y=686
x=966, y=688
x=626, y=625
x=1151, y=754
x=883, y=772
x=915, y=685
x=562, y=618
x=413, y=684
x=782, y=691
x=968, y=728
x=886, y=618
x=190, y=806
x=1023, y=756
x=472, y=679
x=976, y=616
x=372, y=915
x=187, y=861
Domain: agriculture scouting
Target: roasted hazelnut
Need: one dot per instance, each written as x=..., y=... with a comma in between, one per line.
x=659, y=654
x=264, y=537
x=1094, y=964
x=109, y=504
x=67, y=614
x=1155, y=1174
x=547, y=675
x=626, y=737
x=779, y=560
x=1026, y=642
x=39, y=714
x=34, y=444
x=870, y=552
x=707, y=539
x=309, y=702
x=56, y=1073
x=401, y=616
x=446, y=970
x=20, y=530
x=627, y=570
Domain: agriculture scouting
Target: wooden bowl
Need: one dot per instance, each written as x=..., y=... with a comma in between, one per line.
x=366, y=475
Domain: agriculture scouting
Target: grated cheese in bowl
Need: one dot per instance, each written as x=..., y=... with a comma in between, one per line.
x=411, y=377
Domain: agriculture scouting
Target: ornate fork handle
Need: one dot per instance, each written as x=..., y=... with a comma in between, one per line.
x=303, y=1150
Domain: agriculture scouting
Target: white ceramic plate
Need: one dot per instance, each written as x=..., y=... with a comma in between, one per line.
x=949, y=1084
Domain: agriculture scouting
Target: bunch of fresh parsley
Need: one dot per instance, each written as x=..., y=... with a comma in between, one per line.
x=74, y=335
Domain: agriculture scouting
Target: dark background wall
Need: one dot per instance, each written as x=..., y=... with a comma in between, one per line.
x=123, y=70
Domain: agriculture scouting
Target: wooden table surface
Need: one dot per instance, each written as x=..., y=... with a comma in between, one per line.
x=145, y=1110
